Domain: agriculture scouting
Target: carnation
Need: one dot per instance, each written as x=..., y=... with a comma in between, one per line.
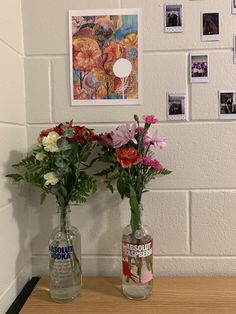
x=50, y=142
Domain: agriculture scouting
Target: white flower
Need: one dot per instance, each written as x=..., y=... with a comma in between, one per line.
x=40, y=156
x=50, y=142
x=50, y=178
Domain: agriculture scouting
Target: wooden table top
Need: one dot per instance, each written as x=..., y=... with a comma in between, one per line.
x=176, y=295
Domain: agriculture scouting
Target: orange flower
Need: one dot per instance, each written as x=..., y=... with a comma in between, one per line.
x=86, y=53
x=127, y=156
x=113, y=51
x=130, y=40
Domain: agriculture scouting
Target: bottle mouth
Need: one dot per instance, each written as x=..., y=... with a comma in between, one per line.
x=139, y=234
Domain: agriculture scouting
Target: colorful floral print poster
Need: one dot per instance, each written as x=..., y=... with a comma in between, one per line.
x=105, y=57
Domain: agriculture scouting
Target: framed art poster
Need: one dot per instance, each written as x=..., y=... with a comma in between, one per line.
x=105, y=57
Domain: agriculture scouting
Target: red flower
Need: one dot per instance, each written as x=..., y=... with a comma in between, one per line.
x=127, y=156
x=82, y=135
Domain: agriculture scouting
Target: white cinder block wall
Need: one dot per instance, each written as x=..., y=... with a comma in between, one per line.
x=192, y=211
x=15, y=263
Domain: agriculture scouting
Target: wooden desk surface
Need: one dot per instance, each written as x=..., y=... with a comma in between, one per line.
x=175, y=295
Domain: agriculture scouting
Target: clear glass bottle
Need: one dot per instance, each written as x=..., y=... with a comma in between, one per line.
x=65, y=277
x=137, y=260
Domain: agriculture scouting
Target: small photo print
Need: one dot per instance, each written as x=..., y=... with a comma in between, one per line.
x=199, y=68
x=227, y=105
x=173, y=18
x=210, y=24
x=176, y=106
x=233, y=6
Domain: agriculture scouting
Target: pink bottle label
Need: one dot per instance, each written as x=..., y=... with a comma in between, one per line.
x=137, y=261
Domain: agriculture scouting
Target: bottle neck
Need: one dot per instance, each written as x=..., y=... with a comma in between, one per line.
x=136, y=218
x=64, y=218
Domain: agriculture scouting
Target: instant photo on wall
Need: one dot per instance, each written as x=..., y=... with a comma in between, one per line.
x=227, y=104
x=233, y=6
x=210, y=26
x=105, y=57
x=173, y=17
x=176, y=106
x=199, y=68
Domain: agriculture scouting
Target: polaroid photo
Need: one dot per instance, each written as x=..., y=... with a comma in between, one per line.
x=234, y=49
x=176, y=106
x=227, y=104
x=199, y=68
x=233, y=6
x=173, y=18
x=210, y=26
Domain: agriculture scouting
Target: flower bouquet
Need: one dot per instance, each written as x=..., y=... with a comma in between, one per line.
x=58, y=166
x=129, y=151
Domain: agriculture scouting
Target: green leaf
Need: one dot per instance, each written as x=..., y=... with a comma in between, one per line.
x=42, y=197
x=68, y=132
x=63, y=144
x=165, y=171
x=63, y=191
x=136, y=118
x=121, y=186
x=17, y=177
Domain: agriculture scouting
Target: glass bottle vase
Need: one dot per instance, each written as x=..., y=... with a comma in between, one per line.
x=137, y=260
x=65, y=277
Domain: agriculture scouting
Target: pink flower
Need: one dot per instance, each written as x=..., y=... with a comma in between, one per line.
x=147, y=276
x=123, y=134
x=150, y=119
x=160, y=142
x=152, y=163
x=153, y=138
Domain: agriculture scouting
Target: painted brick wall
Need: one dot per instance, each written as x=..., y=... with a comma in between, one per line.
x=192, y=211
x=15, y=263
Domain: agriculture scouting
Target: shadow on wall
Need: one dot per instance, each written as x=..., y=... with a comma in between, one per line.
x=98, y=220
x=18, y=236
x=106, y=227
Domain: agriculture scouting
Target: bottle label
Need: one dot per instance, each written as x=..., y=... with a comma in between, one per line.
x=137, y=262
x=60, y=253
x=133, y=250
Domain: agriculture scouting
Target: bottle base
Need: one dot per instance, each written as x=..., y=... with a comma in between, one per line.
x=64, y=295
x=137, y=292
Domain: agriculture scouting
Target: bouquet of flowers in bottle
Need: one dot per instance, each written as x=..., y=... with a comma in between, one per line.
x=58, y=166
x=129, y=151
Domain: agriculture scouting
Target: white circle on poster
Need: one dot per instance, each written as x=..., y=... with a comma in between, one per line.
x=122, y=68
